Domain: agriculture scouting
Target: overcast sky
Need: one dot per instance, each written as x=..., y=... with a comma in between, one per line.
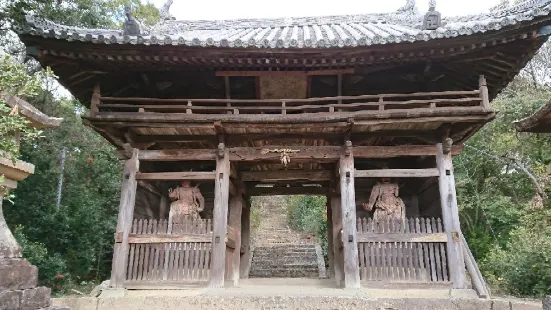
x=230, y=9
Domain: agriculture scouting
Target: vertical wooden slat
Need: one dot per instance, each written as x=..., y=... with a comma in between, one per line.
x=221, y=200
x=207, y=261
x=132, y=250
x=136, y=270
x=426, y=252
x=154, y=256
x=348, y=211
x=436, y=246
x=361, y=249
x=371, y=251
x=245, y=240
x=443, y=253
x=196, y=252
x=124, y=220
x=147, y=252
x=415, y=253
x=450, y=217
x=431, y=253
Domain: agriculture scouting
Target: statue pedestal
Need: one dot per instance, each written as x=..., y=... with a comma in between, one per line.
x=18, y=278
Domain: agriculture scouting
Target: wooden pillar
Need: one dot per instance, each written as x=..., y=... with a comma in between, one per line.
x=483, y=87
x=348, y=213
x=338, y=259
x=95, y=100
x=330, y=270
x=245, y=240
x=124, y=222
x=236, y=207
x=220, y=217
x=450, y=217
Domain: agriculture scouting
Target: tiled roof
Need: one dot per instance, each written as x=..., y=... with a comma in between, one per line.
x=305, y=32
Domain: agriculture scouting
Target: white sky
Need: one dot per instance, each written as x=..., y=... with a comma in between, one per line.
x=230, y=9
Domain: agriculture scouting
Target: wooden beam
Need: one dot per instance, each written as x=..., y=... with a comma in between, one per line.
x=295, y=152
x=402, y=237
x=285, y=73
x=272, y=191
x=178, y=155
x=165, y=238
x=165, y=176
x=348, y=213
x=220, y=218
x=124, y=221
x=450, y=217
x=286, y=175
x=398, y=173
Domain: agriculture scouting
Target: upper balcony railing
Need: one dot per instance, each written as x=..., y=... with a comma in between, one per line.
x=374, y=103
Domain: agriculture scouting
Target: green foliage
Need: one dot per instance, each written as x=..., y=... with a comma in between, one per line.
x=81, y=13
x=14, y=81
x=78, y=234
x=496, y=195
x=309, y=214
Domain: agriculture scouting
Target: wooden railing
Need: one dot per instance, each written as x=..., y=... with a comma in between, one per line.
x=392, y=251
x=158, y=256
x=364, y=103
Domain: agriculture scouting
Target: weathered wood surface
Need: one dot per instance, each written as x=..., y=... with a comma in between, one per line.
x=405, y=252
x=124, y=221
x=165, y=176
x=152, y=119
x=285, y=73
x=246, y=258
x=348, y=213
x=285, y=175
x=402, y=237
x=165, y=238
x=397, y=173
x=236, y=209
x=297, y=152
x=450, y=217
x=220, y=219
x=170, y=258
x=338, y=259
x=484, y=96
x=331, y=266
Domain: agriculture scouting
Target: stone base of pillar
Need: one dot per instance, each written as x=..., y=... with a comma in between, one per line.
x=18, y=286
x=547, y=303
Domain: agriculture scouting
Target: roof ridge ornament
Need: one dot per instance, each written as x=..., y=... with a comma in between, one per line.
x=433, y=19
x=164, y=12
x=131, y=25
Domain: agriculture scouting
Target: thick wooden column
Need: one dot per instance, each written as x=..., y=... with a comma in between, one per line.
x=338, y=259
x=124, y=222
x=450, y=217
x=220, y=217
x=348, y=213
x=236, y=207
x=330, y=271
x=245, y=240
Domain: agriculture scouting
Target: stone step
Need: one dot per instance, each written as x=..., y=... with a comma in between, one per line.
x=284, y=273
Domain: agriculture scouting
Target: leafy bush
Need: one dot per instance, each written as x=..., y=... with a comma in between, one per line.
x=523, y=267
x=308, y=214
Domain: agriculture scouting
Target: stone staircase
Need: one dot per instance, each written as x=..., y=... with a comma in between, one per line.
x=280, y=252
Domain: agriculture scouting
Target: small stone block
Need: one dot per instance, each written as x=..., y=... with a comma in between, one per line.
x=17, y=274
x=10, y=300
x=522, y=305
x=113, y=293
x=35, y=298
x=500, y=304
x=463, y=293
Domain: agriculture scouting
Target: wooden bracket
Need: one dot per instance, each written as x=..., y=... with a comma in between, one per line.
x=447, y=146
x=347, y=148
x=221, y=151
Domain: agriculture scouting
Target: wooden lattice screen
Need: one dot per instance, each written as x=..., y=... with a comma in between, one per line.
x=391, y=251
x=156, y=256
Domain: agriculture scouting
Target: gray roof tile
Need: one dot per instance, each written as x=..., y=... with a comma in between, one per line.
x=303, y=32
